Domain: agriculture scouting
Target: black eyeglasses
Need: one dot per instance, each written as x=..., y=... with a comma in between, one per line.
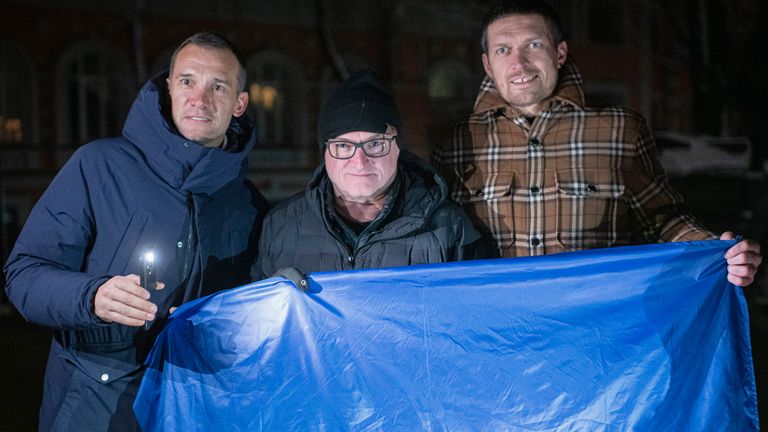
x=374, y=148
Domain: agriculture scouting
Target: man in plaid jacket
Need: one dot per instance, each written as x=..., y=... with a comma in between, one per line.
x=539, y=172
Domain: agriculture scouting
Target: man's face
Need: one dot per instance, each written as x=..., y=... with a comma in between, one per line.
x=362, y=179
x=523, y=61
x=205, y=94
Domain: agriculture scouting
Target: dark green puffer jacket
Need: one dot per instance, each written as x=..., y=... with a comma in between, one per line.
x=418, y=225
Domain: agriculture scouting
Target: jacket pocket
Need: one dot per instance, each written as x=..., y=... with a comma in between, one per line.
x=101, y=368
x=488, y=199
x=590, y=208
x=129, y=245
x=97, y=386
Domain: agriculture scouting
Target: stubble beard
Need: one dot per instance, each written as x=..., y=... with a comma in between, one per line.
x=526, y=100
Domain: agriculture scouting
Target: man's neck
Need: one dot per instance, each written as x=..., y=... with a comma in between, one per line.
x=221, y=144
x=533, y=111
x=359, y=211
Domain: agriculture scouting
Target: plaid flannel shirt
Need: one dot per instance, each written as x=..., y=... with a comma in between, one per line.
x=575, y=178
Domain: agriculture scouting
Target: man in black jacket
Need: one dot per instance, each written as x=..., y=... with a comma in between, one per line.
x=372, y=203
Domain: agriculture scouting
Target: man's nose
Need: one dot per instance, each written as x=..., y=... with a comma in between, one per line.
x=200, y=97
x=360, y=158
x=518, y=59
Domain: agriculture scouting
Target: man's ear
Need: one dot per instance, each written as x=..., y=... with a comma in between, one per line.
x=487, y=65
x=562, y=53
x=241, y=104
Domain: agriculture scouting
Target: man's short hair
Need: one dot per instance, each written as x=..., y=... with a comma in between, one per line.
x=505, y=8
x=214, y=40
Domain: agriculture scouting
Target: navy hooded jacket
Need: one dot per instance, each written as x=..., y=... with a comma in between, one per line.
x=115, y=199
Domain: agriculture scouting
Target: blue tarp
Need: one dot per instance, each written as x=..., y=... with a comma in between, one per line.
x=643, y=338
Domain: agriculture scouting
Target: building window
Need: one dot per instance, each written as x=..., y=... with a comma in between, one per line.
x=274, y=87
x=449, y=80
x=17, y=97
x=451, y=88
x=93, y=93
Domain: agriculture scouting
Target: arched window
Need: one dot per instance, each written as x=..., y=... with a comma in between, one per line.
x=18, y=97
x=94, y=86
x=451, y=89
x=275, y=88
x=450, y=81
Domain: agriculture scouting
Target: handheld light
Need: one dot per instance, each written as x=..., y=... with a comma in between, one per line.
x=148, y=278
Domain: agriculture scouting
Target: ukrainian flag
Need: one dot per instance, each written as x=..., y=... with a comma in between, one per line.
x=641, y=338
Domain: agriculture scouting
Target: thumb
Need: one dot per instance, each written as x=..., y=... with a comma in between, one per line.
x=728, y=235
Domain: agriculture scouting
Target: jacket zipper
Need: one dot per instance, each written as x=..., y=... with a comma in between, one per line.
x=190, y=236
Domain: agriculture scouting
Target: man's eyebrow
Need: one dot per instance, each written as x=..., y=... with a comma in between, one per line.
x=192, y=74
x=221, y=81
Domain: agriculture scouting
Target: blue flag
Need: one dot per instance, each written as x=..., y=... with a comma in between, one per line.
x=644, y=338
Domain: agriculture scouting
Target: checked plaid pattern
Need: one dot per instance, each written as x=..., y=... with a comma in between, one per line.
x=574, y=178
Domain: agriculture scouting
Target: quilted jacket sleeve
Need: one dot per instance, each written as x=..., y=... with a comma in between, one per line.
x=44, y=273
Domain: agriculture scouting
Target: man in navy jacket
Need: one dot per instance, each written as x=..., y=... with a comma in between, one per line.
x=173, y=184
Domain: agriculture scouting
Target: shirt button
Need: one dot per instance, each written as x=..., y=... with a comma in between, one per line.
x=591, y=188
x=534, y=142
x=179, y=244
x=535, y=241
x=535, y=190
x=104, y=377
x=350, y=259
x=479, y=192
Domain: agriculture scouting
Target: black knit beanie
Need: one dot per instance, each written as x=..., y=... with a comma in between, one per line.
x=359, y=104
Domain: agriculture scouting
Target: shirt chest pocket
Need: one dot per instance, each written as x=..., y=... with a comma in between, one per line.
x=488, y=200
x=591, y=211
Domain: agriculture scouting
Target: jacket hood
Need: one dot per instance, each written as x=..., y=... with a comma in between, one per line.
x=569, y=90
x=421, y=191
x=182, y=163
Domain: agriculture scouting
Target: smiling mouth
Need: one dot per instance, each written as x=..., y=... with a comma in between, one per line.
x=195, y=118
x=360, y=176
x=524, y=80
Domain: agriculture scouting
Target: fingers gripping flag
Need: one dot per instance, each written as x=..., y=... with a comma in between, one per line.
x=645, y=338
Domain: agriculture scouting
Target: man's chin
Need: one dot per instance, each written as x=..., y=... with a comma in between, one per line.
x=358, y=196
x=193, y=134
x=197, y=137
x=199, y=131
x=527, y=104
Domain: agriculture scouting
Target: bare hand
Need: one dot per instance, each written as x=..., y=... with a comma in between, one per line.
x=743, y=260
x=122, y=300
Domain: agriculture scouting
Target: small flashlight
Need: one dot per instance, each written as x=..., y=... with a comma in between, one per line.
x=148, y=278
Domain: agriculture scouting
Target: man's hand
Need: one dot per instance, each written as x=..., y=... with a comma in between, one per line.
x=122, y=300
x=743, y=260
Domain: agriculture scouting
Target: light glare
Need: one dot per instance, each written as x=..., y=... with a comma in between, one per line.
x=149, y=257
